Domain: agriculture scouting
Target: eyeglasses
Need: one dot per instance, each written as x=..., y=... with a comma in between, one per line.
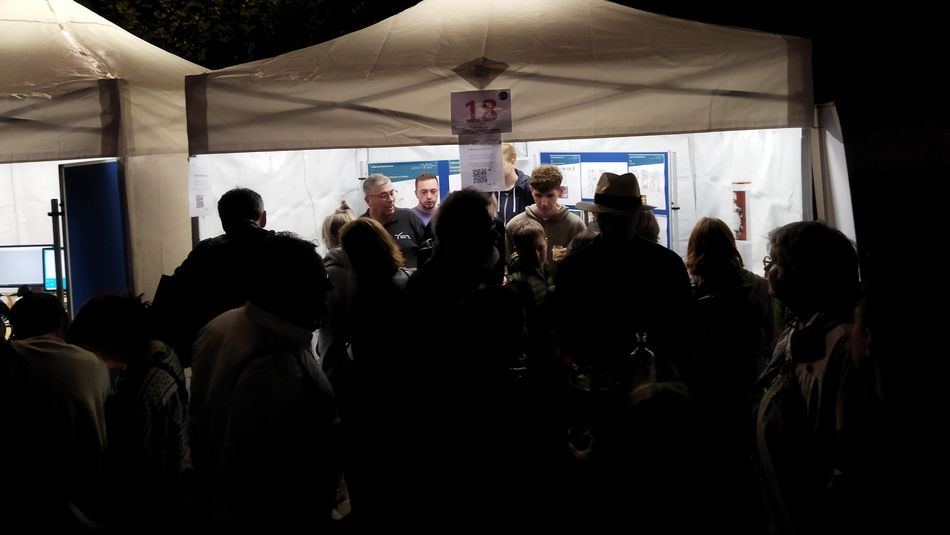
x=386, y=195
x=767, y=263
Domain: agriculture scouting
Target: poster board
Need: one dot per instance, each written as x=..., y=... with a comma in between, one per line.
x=403, y=175
x=581, y=170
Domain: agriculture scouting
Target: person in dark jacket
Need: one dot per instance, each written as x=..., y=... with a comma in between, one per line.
x=264, y=425
x=515, y=196
x=808, y=406
x=216, y=275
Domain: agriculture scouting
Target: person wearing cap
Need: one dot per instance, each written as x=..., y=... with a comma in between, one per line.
x=646, y=283
x=264, y=423
x=559, y=224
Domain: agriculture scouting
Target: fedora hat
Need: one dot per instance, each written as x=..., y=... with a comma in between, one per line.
x=616, y=194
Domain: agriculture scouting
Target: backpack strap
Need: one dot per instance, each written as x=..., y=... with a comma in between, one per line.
x=155, y=361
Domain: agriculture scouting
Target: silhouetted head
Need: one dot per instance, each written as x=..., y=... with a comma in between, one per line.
x=812, y=268
x=38, y=314
x=290, y=281
x=239, y=206
x=463, y=228
x=112, y=326
x=711, y=255
x=372, y=251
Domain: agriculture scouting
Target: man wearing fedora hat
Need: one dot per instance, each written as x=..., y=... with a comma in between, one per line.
x=644, y=282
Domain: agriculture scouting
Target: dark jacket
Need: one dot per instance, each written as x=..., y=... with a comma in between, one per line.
x=802, y=411
x=642, y=287
x=215, y=277
x=512, y=202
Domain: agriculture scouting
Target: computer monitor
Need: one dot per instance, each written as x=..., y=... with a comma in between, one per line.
x=49, y=269
x=21, y=265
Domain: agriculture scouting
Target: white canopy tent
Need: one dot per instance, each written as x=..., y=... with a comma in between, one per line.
x=576, y=69
x=74, y=85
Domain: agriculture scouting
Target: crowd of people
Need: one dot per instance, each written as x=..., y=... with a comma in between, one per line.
x=490, y=360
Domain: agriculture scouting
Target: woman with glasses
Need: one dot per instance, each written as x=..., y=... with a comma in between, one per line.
x=808, y=450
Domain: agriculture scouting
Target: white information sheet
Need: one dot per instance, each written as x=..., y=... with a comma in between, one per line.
x=572, y=183
x=480, y=161
x=199, y=189
x=591, y=171
x=652, y=180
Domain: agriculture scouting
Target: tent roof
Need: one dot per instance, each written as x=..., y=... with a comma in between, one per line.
x=576, y=68
x=67, y=79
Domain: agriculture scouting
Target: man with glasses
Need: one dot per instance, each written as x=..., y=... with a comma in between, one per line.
x=380, y=196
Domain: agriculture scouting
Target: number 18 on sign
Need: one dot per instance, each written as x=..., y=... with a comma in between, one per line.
x=481, y=111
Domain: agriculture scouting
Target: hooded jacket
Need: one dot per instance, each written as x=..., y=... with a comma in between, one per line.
x=560, y=228
x=513, y=202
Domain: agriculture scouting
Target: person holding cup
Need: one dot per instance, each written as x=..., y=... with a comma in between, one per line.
x=559, y=224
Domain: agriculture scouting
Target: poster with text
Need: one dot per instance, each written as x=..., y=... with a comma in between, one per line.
x=403, y=176
x=570, y=167
x=650, y=170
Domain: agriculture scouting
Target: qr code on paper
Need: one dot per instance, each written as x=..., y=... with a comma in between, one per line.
x=199, y=200
x=480, y=176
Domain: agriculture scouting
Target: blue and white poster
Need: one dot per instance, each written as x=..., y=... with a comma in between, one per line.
x=582, y=170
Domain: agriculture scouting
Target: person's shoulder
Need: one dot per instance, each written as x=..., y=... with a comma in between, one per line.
x=591, y=254
x=519, y=217
x=522, y=181
x=407, y=215
x=575, y=220
x=670, y=256
x=206, y=246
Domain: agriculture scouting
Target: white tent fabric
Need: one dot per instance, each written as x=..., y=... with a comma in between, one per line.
x=576, y=69
x=74, y=85
x=833, y=187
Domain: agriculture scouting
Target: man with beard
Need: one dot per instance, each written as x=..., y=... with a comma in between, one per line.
x=427, y=191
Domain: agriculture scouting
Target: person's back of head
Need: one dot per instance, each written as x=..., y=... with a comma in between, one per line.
x=527, y=236
x=711, y=255
x=290, y=281
x=239, y=206
x=463, y=227
x=372, y=251
x=814, y=269
x=617, y=228
x=334, y=222
x=38, y=314
x=114, y=326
